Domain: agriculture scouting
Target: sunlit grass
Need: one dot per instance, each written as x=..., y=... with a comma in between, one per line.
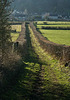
x=14, y=36
x=53, y=22
x=53, y=65
x=62, y=26
x=57, y=36
x=58, y=22
x=39, y=51
x=55, y=77
x=60, y=71
x=16, y=27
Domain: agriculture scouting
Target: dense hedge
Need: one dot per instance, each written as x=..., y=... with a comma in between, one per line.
x=61, y=52
x=15, y=23
x=10, y=73
x=55, y=28
x=22, y=41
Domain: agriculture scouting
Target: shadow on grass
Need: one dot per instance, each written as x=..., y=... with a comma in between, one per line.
x=20, y=87
x=9, y=76
x=27, y=83
x=29, y=86
x=54, y=91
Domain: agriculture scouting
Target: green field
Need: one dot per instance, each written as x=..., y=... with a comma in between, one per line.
x=16, y=27
x=57, y=36
x=62, y=26
x=53, y=23
x=14, y=36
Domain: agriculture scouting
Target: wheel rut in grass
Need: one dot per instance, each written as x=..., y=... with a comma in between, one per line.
x=37, y=81
x=37, y=92
x=51, y=86
x=42, y=87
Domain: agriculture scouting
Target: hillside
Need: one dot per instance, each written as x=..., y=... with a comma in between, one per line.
x=39, y=6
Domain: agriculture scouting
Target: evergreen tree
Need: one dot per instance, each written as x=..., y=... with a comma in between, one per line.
x=5, y=37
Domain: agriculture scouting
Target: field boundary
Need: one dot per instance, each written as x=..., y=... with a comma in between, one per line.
x=55, y=28
x=20, y=44
x=61, y=52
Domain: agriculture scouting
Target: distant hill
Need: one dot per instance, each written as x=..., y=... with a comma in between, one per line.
x=40, y=6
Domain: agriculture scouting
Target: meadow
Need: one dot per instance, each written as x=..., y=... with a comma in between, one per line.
x=14, y=36
x=53, y=23
x=55, y=35
x=53, y=26
x=16, y=27
x=15, y=32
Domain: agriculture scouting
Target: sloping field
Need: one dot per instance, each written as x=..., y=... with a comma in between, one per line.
x=16, y=27
x=15, y=31
x=14, y=36
x=57, y=36
x=56, y=32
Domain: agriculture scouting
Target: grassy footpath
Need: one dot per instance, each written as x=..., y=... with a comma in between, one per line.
x=56, y=84
x=41, y=78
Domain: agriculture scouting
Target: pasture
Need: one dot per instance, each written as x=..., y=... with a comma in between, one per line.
x=16, y=27
x=54, y=26
x=15, y=32
x=55, y=35
x=14, y=36
x=53, y=23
